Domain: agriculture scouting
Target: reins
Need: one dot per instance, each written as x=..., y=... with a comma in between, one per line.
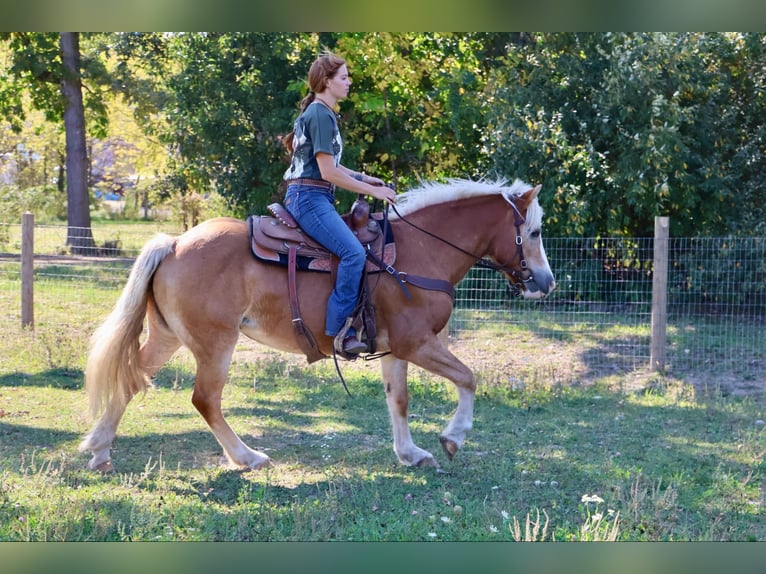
x=402, y=278
x=518, y=221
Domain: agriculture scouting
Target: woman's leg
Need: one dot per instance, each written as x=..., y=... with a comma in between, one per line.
x=315, y=212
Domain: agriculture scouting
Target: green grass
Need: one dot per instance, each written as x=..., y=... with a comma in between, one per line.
x=658, y=464
x=51, y=239
x=560, y=450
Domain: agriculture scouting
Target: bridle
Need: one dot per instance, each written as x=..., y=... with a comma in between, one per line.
x=516, y=274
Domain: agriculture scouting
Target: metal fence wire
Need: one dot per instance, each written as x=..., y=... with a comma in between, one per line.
x=716, y=304
x=598, y=319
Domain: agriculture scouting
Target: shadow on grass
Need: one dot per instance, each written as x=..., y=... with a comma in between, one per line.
x=538, y=448
x=61, y=378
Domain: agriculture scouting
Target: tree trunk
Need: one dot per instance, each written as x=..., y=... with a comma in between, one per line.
x=80, y=235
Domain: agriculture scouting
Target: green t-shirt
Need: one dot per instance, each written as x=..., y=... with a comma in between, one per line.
x=315, y=130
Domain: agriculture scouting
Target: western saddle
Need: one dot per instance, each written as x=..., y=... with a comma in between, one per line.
x=280, y=240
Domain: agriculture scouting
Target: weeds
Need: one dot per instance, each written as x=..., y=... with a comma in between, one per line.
x=534, y=530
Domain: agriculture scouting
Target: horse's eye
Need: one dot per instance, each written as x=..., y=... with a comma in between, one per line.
x=535, y=234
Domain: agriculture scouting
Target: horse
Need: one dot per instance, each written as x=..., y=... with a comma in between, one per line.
x=203, y=288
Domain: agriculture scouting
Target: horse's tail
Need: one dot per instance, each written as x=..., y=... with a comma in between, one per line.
x=113, y=374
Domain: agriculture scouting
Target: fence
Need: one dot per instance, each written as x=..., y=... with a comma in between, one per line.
x=598, y=321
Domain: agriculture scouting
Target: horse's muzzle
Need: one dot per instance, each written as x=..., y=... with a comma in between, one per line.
x=538, y=287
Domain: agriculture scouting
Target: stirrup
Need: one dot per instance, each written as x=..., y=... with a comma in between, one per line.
x=348, y=347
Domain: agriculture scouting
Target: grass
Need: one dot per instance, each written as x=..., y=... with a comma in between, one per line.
x=561, y=450
x=560, y=462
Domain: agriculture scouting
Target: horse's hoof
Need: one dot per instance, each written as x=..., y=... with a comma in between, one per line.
x=449, y=447
x=105, y=467
x=427, y=461
x=263, y=464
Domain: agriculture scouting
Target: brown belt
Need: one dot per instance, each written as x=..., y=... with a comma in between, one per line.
x=312, y=182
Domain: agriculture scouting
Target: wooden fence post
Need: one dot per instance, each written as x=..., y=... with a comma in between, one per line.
x=659, y=294
x=27, y=270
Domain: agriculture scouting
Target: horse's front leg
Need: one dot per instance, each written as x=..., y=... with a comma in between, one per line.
x=394, y=373
x=433, y=356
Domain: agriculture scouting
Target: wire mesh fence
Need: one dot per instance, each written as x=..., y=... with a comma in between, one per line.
x=716, y=303
x=597, y=322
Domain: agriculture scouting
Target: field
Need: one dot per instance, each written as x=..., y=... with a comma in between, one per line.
x=547, y=460
x=559, y=451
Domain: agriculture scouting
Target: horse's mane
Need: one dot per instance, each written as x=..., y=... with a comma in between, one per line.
x=434, y=193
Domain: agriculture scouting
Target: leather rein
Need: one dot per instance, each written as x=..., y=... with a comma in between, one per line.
x=518, y=221
x=439, y=284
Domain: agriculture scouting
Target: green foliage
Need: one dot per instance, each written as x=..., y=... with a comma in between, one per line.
x=618, y=127
x=415, y=111
x=624, y=127
x=37, y=70
x=231, y=97
x=45, y=202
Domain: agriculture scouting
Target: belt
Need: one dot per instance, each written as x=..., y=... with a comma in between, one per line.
x=312, y=182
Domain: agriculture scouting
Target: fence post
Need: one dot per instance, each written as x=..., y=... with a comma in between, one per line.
x=659, y=294
x=27, y=270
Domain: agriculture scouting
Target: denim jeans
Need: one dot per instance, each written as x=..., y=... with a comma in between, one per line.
x=314, y=210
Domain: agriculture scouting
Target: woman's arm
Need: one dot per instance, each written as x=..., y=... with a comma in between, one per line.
x=345, y=178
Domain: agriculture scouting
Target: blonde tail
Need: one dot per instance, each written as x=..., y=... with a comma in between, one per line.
x=112, y=373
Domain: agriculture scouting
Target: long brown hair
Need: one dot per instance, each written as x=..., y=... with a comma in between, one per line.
x=322, y=69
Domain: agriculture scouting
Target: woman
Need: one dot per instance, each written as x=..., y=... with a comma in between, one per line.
x=315, y=170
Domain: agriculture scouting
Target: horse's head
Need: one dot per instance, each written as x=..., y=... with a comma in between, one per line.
x=519, y=250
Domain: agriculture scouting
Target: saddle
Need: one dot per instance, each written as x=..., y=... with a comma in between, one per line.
x=272, y=238
x=280, y=240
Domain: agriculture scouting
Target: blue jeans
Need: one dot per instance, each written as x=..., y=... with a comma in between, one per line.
x=314, y=210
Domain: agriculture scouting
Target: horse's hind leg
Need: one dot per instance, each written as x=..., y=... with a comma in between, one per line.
x=212, y=371
x=155, y=351
x=394, y=374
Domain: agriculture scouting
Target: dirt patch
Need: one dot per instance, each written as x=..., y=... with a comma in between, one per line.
x=544, y=363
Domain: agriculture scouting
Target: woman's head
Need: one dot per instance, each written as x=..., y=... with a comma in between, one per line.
x=327, y=74
x=323, y=69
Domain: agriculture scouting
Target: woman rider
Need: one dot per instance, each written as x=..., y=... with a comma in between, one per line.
x=315, y=170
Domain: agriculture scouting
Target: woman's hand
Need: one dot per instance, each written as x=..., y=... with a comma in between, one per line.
x=382, y=191
x=352, y=181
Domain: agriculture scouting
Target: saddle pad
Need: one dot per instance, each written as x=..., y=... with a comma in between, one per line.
x=270, y=241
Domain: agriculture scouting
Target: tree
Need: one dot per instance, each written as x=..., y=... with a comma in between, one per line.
x=415, y=110
x=623, y=127
x=79, y=236
x=48, y=67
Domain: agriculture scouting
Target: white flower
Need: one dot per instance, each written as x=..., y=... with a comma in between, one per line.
x=432, y=534
x=505, y=515
x=493, y=529
x=586, y=498
x=446, y=519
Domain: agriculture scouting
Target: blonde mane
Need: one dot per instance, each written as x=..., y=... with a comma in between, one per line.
x=434, y=193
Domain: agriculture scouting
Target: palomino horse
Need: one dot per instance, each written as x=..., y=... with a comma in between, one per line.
x=203, y=288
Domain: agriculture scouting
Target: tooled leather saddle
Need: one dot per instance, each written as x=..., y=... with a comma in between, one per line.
x=271, y=239
x=280, y=240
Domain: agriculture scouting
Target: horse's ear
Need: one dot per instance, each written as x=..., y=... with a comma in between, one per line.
x=528, y=196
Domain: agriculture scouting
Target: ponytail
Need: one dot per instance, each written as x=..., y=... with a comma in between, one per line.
x=305, y=102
